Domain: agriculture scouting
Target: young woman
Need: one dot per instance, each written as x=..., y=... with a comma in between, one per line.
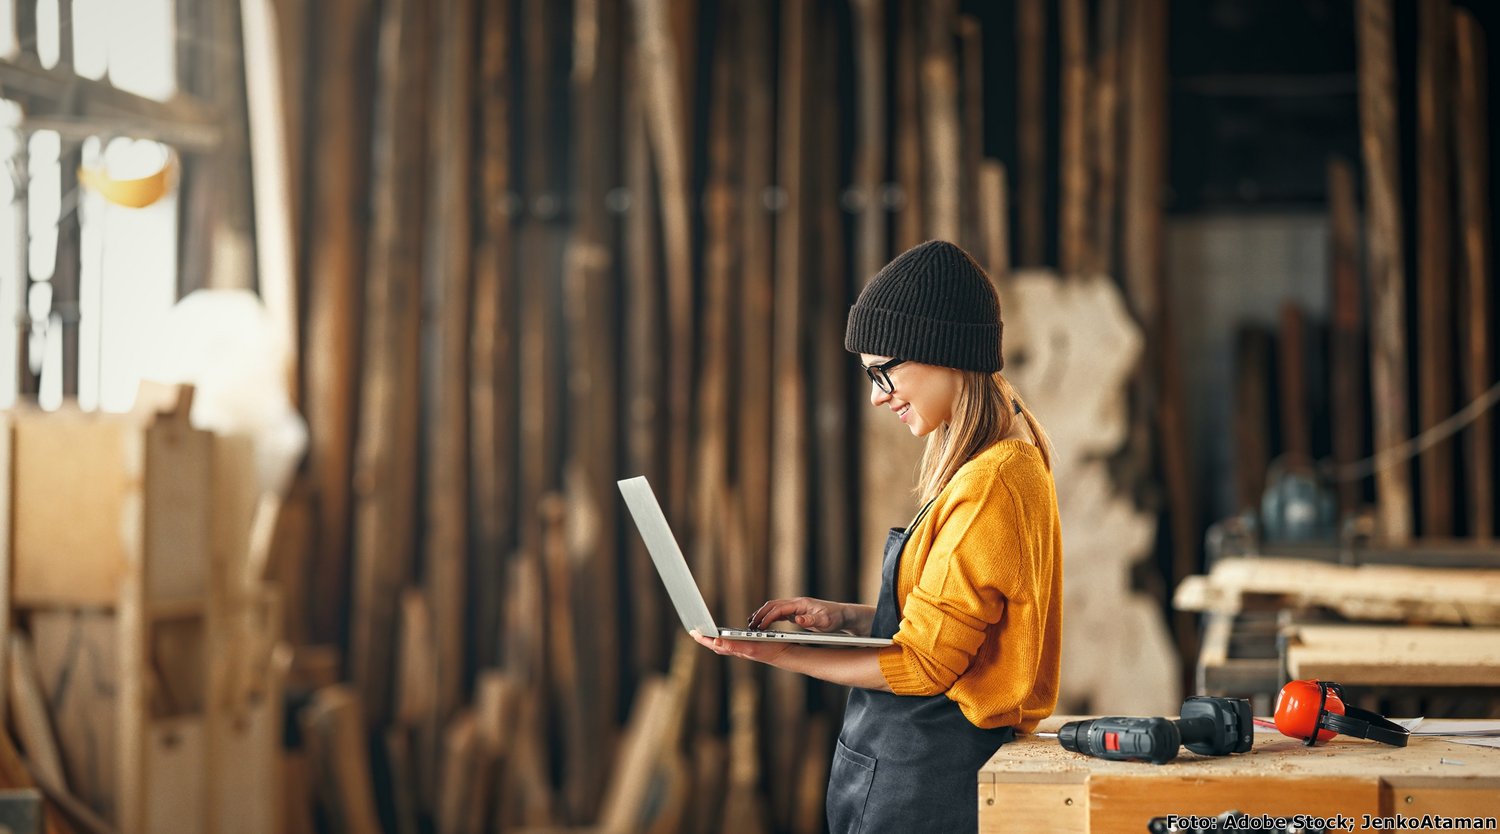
x=971, y=589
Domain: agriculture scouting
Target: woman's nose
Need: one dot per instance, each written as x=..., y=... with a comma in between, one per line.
x=878, y=395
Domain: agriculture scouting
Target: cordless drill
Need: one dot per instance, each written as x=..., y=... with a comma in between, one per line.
x=1208, y=726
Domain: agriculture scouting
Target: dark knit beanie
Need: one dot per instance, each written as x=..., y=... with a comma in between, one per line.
x=932, y=304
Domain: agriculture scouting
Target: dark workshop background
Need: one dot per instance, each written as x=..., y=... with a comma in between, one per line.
x=526, y=248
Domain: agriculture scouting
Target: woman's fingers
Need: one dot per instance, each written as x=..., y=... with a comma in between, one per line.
x=804, y=611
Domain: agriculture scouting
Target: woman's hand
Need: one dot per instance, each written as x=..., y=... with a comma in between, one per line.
x=757, y=650
x=805, y=612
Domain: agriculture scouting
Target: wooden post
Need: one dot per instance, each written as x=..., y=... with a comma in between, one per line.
x=971, y=86
x=870, y=254
x=1252, y=415
x=1434, y=282
x=449, y=269
x=337, y=241
x=995, y=220
x=1296, y=423
x=492, y=359
x=1145, y=279
x=1031, y=129
x=335, y=730
x=789, y=534
x=940, y=122
x=1377, y=116
x=1073, y=226
x=1106, y=138
x=753, y=467
x=1472, y=158
x=911, y=221
x=644, y=345
x=1347, y=397
x=589, y=295
x=658, y=62
x=833, y=368
x=386, y=449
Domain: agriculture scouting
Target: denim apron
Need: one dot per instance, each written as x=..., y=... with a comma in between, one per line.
x=906, y=763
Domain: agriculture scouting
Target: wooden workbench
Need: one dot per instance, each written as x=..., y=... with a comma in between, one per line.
x=1034, y=785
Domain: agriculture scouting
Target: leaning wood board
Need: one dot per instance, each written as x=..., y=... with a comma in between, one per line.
x=1370, y=592
x=1033, y=784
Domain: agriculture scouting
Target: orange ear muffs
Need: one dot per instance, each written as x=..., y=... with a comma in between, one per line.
x=1315, y=711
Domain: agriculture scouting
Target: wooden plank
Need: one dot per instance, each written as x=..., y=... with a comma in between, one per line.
x=569, y=677
x=661, y=78
x=836, y=563
x=336, y=262
x=644, y=343
x=271, y=183
x=97, y=464
x=492, y=359
x=1296, y=416
x=590, y=290
x=789, y=534
x=1378, y=140
x=448, y=268
x=416, y=661
x=940, y=121
x=1072, y=232
x=176, y=776
x=1031, y=130
x=753, y=465
x=1146, y=282
x=994, y=208
x=911, y=221
x=888, y=462
x=29, y=707
x=1399, y=656
x=7, y=553
x=1347, y=397
x=1252, y=415
x=335, y=725
x=1472, y=157
x=1370, y=592
x=459, y=777
x=402, y=781
x=1106, y=140
x=385, y=467
x=971, y=110
x=1435, y=314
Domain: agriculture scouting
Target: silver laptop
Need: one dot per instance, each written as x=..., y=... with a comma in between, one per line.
x=686, y=597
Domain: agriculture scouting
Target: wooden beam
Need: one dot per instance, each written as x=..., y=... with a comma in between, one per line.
x=994, y=209
x=448, y=267
x=1377, y=116
x=335, y=729
x=1473, y=159
x=385, y=466
x=971, y=114
x=753, y=467
x=661, y=67
x=1031, y=130
x=271, y=182
x=337, y=243
x=1072, y=234
x=1434, y=281
x=911, y=222
x=1106, y=140
x=492, y=360
x=1347, y=367
x=789, y=533
x=940, y=121
x=1296, y=418
x=58, y=92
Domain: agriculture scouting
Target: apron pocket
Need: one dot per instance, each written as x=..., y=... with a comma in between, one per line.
x=849, y=778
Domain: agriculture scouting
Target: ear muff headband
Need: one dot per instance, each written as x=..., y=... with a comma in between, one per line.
x=1362, y=723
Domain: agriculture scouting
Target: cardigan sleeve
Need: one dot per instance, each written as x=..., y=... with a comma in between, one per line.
x=978, y=562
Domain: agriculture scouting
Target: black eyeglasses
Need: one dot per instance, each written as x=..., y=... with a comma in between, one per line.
x=881, y=374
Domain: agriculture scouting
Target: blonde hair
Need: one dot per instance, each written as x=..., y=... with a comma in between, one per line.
x=983, y=413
